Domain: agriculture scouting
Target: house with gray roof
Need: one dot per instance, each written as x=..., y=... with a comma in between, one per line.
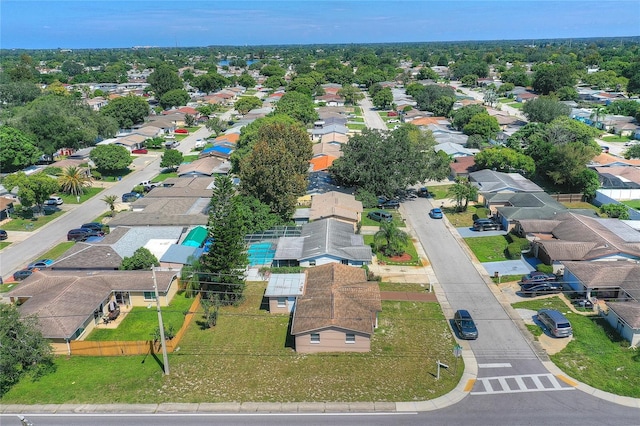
x=204, y=167
x=509, y=207
x=321, y=242
x=618, y=283
x=69, y=304
x=454, y=150
x=489, y=181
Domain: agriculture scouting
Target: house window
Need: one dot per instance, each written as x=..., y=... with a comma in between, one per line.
x=282, y=302
x=350, y=338
x=149, y=295
x=315, y=338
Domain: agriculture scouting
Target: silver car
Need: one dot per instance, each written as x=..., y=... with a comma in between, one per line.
x=557, y=324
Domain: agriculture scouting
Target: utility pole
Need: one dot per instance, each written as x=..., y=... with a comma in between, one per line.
x=163, y=342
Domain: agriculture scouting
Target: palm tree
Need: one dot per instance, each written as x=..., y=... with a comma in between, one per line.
x=110, y=200
x=390, y=239
x=463, y=191
x=74, y=180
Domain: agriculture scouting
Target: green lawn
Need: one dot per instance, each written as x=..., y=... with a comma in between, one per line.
x=58, y=250
x=4, y=244
x=616, y=138
x=248, y=356
x=352, y=126
x=597, y=355
x=88, y=193
x=488, y=249
x=438, y=192
x=164, y=176
x=140, y=323
x=634, y=204
x=409, y=287
x=465, y=218
x=516, y=105
x=190, y=158
x=19, y=224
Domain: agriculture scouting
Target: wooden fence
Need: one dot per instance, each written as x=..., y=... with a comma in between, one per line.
x=567, y=198
x=120, y=348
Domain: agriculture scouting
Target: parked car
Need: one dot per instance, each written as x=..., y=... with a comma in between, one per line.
x=423, y=192
x=40, y=264
x=79, y=234
x=631, y=143
x=140, y=151
x=605, y=149
x=380, y=216
x=465, y=325
x=436, y=213
x=485, y=225
x=22, y=274
x=54, y=201
x=557, y=324
x=96, y=226
x=537, y=277
x=3, y=234
x=148, y=183
x=130, y=197
x=538, y=289
x=389, y=204
x=181, y=131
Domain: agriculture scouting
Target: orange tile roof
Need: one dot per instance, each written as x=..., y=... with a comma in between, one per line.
x=322, y=162
x=425, y=121
x=231, y=137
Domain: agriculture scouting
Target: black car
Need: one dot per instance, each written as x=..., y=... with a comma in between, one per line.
x=96, y=226
x=79, y=234
x=3, y=234
x=485, y=225
x=540, y=289
x=22, y=274
x=537, y=277
x=389, y=204
x=465, y=325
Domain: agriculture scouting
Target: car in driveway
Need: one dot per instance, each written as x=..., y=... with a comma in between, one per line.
x=130, y=197
x=22, y=274
x=54, y=201
x=436, y=213
x=40, y=264
x=465, y=324
x=96, y=226
x=539, y=289
x=380, y=216
x=140, y=151
x=3, y=234
x=537, y=277
x=389, y=204
x=486, y=225
x=557, y=324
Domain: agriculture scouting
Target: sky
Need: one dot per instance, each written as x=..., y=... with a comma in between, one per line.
x=78, y=24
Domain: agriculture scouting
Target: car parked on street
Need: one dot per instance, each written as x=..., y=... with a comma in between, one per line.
x=3, y=234
x=436, y=213
x=557, y=324
x=486, y=225
x=380, y=216
x=465, y=325
x=388, y=204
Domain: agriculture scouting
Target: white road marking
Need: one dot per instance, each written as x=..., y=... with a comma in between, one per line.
x=489, y=383
x=495, y=365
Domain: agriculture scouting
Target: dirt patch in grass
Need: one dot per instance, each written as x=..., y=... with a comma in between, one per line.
x=404, y=257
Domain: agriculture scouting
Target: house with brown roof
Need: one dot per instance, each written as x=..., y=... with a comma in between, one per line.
x=462, y=166
x=336, y=205
x=574, y=237
x=69, y=304
x=338, y=311
x=205, y=166
x=618, y=283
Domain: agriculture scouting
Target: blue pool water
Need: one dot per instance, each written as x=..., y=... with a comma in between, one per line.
x=261, y=253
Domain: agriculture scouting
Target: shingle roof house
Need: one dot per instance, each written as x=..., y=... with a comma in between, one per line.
x=491, y=181
x=323, y=241
x=337, y=205
x=70, y=304
x=338, y=311
x=573, y=236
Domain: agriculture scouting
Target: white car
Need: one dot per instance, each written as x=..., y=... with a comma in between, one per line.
x=631, y=143
x=54, y=201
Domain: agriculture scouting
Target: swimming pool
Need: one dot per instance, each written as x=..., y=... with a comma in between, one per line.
x=261, y=253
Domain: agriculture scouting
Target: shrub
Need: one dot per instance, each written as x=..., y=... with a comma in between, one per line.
x=514, y=250
x=548, y=269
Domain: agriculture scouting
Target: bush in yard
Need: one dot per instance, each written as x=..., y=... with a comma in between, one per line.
x=514, y=250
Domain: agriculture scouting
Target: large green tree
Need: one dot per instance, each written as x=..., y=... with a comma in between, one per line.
x=462, y=192
x=74, y=180
x=34, y=189
x=210, y=82
x=549, y=78
x=505, y=160
x=163, y=79
x=127, y=110
x=222, y=268
x=383, y=98
x=18, y=93
x=351, y=94
x=483, y=125
x=246, y=104
x=276, y=169
x=383, y=163
x=174, y=98
x=297, y=105
x=437, y=99
x=17, y=150
x=110, y=158
x=172, y=158
x=545, y=109
x=462, y=116
x=23, y=349
x=142, y=258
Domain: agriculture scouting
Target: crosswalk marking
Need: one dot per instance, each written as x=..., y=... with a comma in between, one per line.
x=533, y=383
x=495, y=365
